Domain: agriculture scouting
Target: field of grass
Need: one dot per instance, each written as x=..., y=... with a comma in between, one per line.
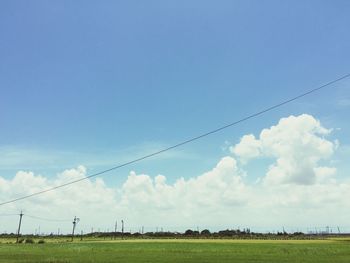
x=179, y=251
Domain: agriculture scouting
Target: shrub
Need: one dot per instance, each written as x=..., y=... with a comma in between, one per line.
x=205, y=232
x=188, y=232
x=41, y=241
x=29, y=241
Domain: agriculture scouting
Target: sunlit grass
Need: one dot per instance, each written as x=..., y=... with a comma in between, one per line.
x=178, y=250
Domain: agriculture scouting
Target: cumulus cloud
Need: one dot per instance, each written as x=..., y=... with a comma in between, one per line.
x=141, y=196
x=222, y=185
x=297, y=143
x=297, y=182
x=248, y=148
x=88, y=198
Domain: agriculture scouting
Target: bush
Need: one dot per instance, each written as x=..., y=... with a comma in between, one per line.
x=29, y=241
x=188, y=232
x=41, y=241
x=21, y=240
x=205, y=232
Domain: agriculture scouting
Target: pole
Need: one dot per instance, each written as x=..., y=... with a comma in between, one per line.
x=75, y=221
x=19, y=226
x=115, y=229
x=122, y=229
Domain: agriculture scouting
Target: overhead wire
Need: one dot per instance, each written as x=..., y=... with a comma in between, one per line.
x=9, y=214
x=183, y=142
x=47, y=219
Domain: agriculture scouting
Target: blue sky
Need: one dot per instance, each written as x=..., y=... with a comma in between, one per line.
x=96, y=84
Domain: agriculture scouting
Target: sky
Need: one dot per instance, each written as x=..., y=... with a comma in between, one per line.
x=85, y=86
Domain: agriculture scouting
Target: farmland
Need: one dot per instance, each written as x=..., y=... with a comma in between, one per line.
x=177, y=250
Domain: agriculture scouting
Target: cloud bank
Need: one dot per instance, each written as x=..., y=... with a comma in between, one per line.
x=299, y=188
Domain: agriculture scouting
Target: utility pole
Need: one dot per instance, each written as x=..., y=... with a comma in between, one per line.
x=115, y=229
x=19, y=225
x=75, y=222
x=122, y=229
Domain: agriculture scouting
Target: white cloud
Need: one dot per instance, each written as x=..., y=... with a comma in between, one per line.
x=298, y=145
x=324, y=173
x=141, y=197
x=296, y=183
x=221, y=185
x=248, y=148
x=87, y=198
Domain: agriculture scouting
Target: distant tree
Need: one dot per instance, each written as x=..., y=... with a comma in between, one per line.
x=227, y=232
x=298, y=233
x=188, y=232
x=205, y=232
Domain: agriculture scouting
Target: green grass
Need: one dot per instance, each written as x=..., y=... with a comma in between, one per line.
x=179, y=251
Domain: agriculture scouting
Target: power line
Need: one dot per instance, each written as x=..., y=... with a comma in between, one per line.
x=47, y=219
x=183, y=142
x=39, y=218
x=9, y=214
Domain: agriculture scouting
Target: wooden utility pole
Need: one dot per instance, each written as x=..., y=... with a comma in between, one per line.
x=122, y=229
x=19, y=226
x=115, y=229
x=75, y=222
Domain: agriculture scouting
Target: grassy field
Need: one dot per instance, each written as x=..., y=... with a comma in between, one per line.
x=179, y=251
